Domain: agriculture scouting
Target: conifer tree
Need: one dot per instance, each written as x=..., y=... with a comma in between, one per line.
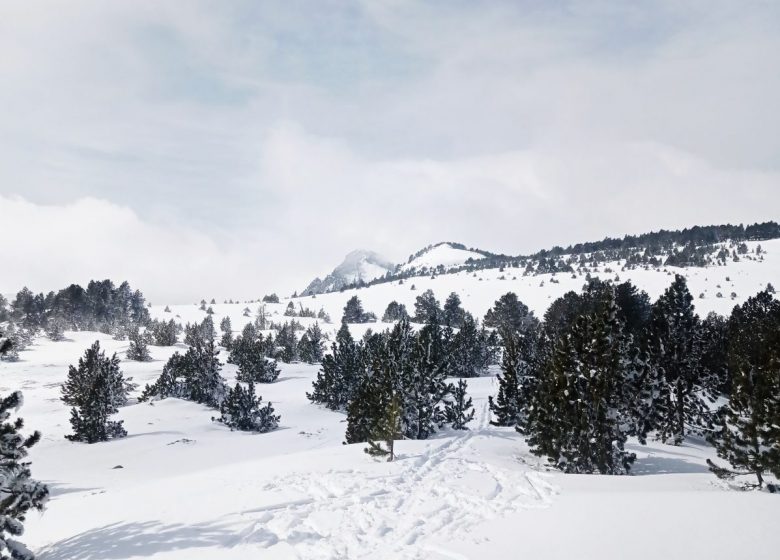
x=311, y=346
x=353, y=312
x=137, y=350
x=55, y=328
x=395, y=312
x=242, y=410
x=426, y=308
x=578, y=419
x=163, y=333
x=423, y=387
x=287, y=342
x=470, y=355
x=249, y=354
x=95, y=389
x=227, y=333
x=19, y=492
x=675, y=375
x=453, y=314
x=386, y=429
x=747, y=431
x=509, y=314
x=460, y=409
x=194, y=376
x=340, y=373
x=507, y=406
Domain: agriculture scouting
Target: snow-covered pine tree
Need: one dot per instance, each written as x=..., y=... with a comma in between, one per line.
x=287, y=343
x=163, y=333
x=227, y=333
x=426, y=308
x=507, y=406
x=423, y=387
x=242, y=410
x=249, y=354
x=395, y=312
x=453, y=314
x=137, y=350
x=675, y=373
x=469, y=352
x=578, y=419
x=386, y=430
x=747, y=431
x=509, y=314
x=195, y=376
x=19, y=492
x=95, y=389
x=459, y=409
x=353, y=311
x=55, y=328
x=340, y=373
x=311, y=347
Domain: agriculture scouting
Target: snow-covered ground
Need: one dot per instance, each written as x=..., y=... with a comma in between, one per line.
x=188, y=488
x=444, y=255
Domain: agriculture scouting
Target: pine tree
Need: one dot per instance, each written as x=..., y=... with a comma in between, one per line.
x=95, y=390
x=460, y=410
x=195, y=376
x=748, y=425
x=385, y=430
x=249, y=354
x=227, y=333
x=675, y=373
x=426, y=308
x=241, y=410
x=423, y=388
x=311, y=347
x=353, y=312
x=509, y=314
x=340, y=373
x=395, y=312
x=469, y=352
x=287, y=342
x=163, y=333
x=507, y=406
x=137, y=350
x=55, y=328
x=19, y=492
x=578, y=418
x=453, y=314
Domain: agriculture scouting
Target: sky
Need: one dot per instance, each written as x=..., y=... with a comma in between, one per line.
x=230, y=149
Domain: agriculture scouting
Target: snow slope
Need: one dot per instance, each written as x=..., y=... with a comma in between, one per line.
x=442, y=254
x=188, y=488
x=191, y=489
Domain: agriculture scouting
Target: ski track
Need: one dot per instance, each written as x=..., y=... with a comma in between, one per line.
x=351, y=514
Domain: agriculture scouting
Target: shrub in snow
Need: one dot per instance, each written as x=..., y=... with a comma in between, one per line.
x=195, y=376
x=241, y=410
x=95, y=389
x=459, y=410
x=137, y=350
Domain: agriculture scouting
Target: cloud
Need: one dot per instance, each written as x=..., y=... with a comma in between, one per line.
x=269, y=139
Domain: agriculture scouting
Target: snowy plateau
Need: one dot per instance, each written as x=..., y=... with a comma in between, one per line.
x=183, y=487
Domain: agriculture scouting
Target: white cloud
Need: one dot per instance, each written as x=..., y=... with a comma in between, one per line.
x=261, y=142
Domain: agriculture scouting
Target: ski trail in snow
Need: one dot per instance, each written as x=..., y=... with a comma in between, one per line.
x=442, y=493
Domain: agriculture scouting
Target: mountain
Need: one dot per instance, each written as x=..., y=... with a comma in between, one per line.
x=442, y=256
x=358, y=266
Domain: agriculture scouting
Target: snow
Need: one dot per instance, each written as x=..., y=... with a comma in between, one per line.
x=189, y=488
x=444, y=255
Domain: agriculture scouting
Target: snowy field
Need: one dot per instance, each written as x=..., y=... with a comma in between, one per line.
x=183, y=487
x=188, y=488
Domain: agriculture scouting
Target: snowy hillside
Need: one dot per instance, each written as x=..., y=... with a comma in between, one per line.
x=358, y=266
x=181, y=486
x=479, y=289
x=441, y=256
